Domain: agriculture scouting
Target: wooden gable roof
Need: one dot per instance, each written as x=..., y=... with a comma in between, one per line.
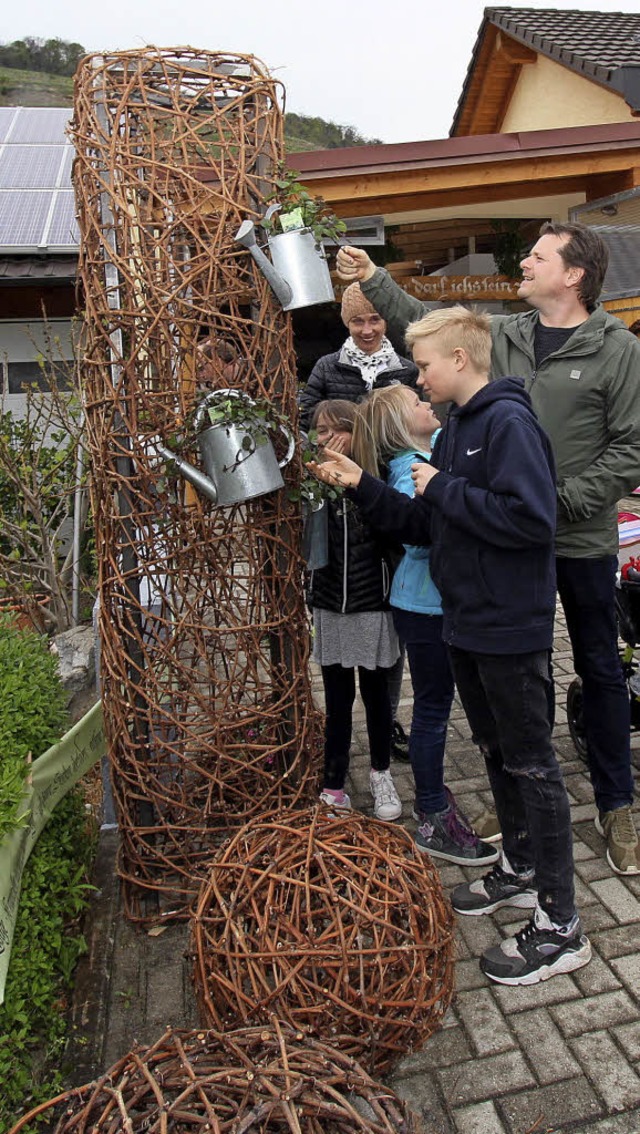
x=603, y=47
x=452, y=172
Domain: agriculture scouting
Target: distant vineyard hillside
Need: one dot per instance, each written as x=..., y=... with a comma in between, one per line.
x=34, y=88
x=39, y=88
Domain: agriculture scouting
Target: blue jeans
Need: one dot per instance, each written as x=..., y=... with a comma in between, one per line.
x=432, y=683
x=587, y=593
x=505, y=699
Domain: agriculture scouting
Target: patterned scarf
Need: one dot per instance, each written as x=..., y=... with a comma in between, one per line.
x=370, y=365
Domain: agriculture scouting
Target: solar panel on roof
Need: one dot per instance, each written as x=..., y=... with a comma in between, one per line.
x=39, y=125
x=65, y=176
x=22, y=217
x=36, y=199
x=63, y=229
x=30, y=167
x=7, y=115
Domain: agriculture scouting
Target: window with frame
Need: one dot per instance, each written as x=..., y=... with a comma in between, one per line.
x=20, y=374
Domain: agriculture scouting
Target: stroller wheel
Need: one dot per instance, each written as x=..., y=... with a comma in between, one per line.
x=575, y=718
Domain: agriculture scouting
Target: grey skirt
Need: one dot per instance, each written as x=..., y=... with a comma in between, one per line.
x=368, y=639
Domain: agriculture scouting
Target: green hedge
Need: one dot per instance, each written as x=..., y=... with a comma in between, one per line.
x=32, y=712
x=55, y=891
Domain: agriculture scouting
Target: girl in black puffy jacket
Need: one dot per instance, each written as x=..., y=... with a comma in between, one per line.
x=353, y=628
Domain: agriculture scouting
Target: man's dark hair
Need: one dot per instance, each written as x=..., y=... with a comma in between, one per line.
x=584, y=249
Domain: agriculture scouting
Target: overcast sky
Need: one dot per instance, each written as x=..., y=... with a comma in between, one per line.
x=394, y=70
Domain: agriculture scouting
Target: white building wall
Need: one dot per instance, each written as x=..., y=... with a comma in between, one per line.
x=548, y=95
x=22, y=341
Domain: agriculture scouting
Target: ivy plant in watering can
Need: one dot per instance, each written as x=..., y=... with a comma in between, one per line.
x=296, y=225
x=233, y=433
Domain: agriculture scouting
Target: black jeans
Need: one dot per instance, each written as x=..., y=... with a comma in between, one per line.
x=587, y=593
x=505, y=699
x=340, y=693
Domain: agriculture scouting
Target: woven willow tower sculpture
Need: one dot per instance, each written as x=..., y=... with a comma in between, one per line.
x=206, y=693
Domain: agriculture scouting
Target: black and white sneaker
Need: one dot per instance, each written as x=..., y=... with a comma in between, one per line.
x=498, y=888
x=538, y=952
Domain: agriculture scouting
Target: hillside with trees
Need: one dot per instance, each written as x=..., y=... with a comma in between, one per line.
x=39, y=72
x=55, y=56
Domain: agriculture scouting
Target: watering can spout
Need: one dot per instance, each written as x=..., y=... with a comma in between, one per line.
x=246, y=235
x=189, y=472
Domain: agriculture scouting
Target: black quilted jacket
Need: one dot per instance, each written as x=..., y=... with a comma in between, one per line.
x=331, y=378
x=358, y=576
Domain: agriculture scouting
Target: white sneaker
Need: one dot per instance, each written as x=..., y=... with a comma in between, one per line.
x=339, y=802
x=386, y=801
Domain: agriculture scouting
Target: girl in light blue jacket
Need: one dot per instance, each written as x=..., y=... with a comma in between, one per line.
x=392, y=430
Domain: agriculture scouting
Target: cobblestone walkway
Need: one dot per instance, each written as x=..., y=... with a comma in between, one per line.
x=561, y=1056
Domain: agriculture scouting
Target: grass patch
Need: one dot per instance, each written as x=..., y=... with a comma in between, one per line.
x=34, y=88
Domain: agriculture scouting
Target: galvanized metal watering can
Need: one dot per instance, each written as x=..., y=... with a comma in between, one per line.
x=239, y=459
x=298, y=272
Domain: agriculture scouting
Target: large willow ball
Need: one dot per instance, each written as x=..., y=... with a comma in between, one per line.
x=262, y=1080
x=337, y=924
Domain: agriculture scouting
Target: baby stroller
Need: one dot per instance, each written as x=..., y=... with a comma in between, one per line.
x=628, y=617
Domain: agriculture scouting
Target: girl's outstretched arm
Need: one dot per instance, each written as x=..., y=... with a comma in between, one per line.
x=337, y=469
x=388, y=511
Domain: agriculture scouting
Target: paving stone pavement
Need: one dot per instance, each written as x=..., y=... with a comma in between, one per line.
x=557, y=1057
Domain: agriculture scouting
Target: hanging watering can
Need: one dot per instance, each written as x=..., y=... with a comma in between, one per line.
x=239, y=460
x=298, y=272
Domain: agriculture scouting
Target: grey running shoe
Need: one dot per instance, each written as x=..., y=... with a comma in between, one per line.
x=447, y=835
x=539, y=951
x=497, y=888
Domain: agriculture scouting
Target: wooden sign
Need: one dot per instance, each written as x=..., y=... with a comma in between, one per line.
x=461, y=288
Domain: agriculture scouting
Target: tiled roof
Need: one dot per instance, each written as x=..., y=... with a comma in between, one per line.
x=53, y=269
x=604, y=47
x=593, y=43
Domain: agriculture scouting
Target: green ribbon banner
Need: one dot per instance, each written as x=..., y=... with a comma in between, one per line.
x=51, y=777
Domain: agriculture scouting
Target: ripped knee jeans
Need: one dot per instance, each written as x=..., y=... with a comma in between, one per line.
x=504, y=697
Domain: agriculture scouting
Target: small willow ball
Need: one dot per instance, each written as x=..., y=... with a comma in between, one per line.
x=336, y=924
x=269, y=1079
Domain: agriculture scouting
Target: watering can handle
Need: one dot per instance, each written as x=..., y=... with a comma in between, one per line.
x=214, y=396
x=292, y=444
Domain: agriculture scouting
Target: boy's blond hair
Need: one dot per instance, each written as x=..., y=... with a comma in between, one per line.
x=383, y=427
x=456, y=327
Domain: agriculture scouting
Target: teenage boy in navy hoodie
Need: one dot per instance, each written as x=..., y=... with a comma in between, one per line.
x=487, y=506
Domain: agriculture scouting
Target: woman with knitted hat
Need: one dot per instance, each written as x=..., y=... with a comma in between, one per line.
x=365, y=362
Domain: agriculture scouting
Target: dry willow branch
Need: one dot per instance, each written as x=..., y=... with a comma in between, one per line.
x=338, y=925
x=263, y=1080
x=207, y=699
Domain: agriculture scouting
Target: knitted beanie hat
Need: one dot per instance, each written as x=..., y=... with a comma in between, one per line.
x=354, y=303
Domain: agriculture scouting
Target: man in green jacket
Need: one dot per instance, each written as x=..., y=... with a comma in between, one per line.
x=582, y=370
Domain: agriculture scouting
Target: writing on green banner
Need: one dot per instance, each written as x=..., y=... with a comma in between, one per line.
x=52, y=775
